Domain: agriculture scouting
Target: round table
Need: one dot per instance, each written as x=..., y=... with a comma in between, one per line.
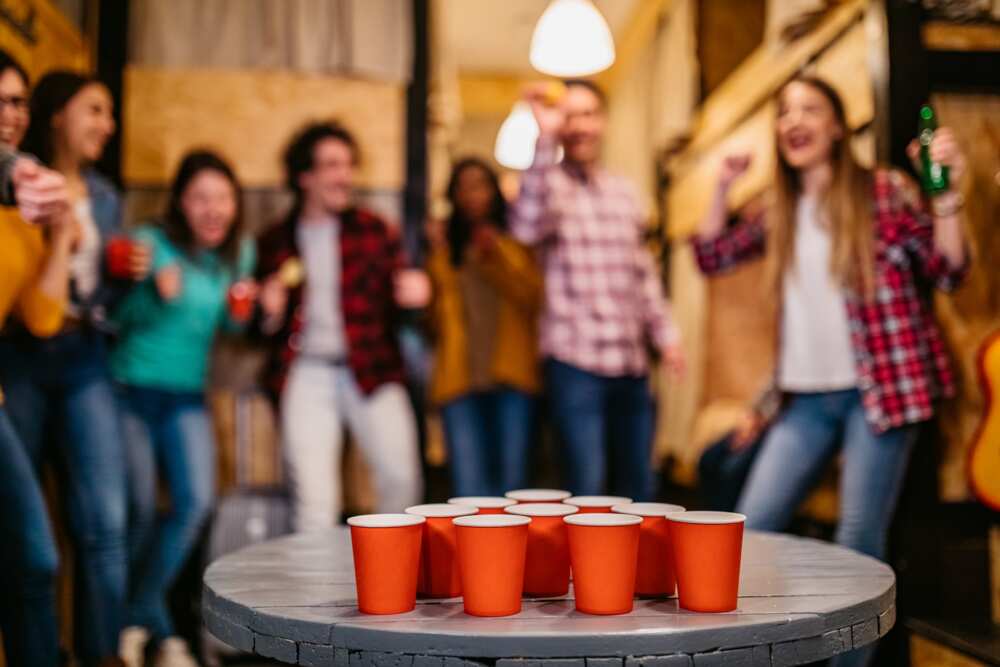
x=801, y=600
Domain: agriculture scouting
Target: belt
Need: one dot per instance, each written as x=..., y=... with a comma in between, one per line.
x=323, y=359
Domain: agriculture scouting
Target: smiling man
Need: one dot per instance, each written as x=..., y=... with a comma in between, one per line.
x=337, y=358
x=605, y=314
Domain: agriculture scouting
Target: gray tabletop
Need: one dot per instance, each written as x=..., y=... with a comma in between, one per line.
x=293, y=599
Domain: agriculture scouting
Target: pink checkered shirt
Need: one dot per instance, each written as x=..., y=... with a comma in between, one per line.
x=604, y=304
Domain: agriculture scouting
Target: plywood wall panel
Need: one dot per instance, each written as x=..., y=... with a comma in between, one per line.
x=250, y=116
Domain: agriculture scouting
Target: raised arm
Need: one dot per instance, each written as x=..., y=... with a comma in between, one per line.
x=718, y=245
x=530, y=222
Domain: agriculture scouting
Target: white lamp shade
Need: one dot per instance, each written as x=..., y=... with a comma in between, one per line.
x=572, y=39
x=515, y=147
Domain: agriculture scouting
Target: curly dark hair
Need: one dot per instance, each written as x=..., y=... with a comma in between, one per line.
x=300, y=154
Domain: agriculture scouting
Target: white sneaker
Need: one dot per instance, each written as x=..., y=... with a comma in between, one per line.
x=174, y=652
x=132, y=645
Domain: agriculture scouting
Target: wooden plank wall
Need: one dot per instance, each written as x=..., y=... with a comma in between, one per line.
x=249, y=115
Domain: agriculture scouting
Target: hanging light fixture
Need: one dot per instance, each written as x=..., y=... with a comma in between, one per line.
x=572, y=39
x=515, y=147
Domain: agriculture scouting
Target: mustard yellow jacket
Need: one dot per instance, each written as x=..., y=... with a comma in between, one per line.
x=512, y=271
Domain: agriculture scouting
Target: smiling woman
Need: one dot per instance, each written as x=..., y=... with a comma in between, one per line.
x=58, y=389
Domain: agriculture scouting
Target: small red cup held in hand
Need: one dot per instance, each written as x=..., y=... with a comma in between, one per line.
x=654, y=575
x=485, y=504
x=386, y=561
x=439, y=575
x=707, y=549
x=596, y=504
x=118, y=255
x=538, y=495
x=491, y=552
x=240, y=299
x=546, y=570
x=603, y=550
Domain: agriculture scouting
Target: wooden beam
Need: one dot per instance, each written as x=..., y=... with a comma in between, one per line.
x=947, y=36
x=843, y=63
x=764, y=71
x=490, y=94
x=632, y=40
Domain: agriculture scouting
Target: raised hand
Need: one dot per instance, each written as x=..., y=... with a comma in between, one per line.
x=734, y=166
x=547, y=107
x=41, y=193
x=946, y=151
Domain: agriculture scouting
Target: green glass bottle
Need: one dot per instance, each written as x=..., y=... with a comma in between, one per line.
x=933, y=176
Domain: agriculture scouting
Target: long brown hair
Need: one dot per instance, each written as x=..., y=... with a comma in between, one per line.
x=847, y=207
x=175, y=223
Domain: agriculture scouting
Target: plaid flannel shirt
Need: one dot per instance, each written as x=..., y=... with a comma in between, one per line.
x=370, y=255
x=902, y=362
x=604, y=304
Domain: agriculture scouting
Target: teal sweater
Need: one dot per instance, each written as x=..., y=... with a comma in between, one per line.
x=166, y=344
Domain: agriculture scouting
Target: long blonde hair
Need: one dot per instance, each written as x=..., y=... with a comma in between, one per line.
x=847, y=206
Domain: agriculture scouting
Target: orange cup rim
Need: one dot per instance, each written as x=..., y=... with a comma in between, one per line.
x=441, y=510
x=542, y=509
x=491, y=521
x=705, y=518
x=538, y=495
x=385, y=520
x=603, y=520
x=648, y=509
x=597, y=501
x=482, y=502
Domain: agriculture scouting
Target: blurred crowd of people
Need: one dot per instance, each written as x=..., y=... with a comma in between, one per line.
x=553, y=297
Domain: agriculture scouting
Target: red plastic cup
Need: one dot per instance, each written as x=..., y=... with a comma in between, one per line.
x=240, y=299
x=386, y=561
x=707, y=547
x=546, y=570
x=485, y=504
x=538, y=495
x=595, y=504
x=603, y=548
x=654, y=576
x=439, y=576
x=118, y=254
x=491, y=553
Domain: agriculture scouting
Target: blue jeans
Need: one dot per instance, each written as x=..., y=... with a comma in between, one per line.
x=29, y=559
x=596, y=415
x=809, y=433
x=59, y=395
x=489, y=437
x=169, y=437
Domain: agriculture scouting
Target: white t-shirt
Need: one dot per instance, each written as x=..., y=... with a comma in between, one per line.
x=85, y=264
x=816, y=352
x=319, y=245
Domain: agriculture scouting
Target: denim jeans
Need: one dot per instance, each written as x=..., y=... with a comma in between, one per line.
x=169, y=436
x=597, y=416
x=809, y=433
x=318, y=401
x=59, y=395
x=489, y=437
x=28, y=559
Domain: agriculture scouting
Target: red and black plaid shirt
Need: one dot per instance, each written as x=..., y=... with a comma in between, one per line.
x=903, y=365
x=370, y=256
